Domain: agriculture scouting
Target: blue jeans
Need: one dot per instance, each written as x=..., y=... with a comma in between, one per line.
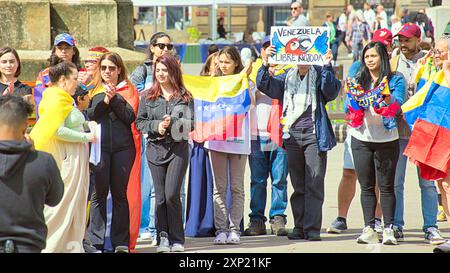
x=148, y=197
x=267, y=158
x=428, y=191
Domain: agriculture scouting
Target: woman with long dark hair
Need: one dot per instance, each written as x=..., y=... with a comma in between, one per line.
x=142, y=78
x=166, y=115
x=114, y=105
x=374, y=133
x=60, y=131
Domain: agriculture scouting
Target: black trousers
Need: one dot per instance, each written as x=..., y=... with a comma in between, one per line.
x=167, y=180
x=307, y=167
x=113, y=174
x=376, y=162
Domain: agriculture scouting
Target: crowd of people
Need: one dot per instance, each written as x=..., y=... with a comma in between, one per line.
x=101, y=130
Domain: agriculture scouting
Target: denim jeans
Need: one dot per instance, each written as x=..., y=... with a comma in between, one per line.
x=428, y=191
x=267, y=158
x=148, y=197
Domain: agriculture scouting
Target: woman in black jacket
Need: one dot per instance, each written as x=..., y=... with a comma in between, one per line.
x=166, y=114
x=114, y=105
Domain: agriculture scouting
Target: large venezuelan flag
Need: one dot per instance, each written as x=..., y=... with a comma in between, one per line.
x=428, y=113
x=221, y=105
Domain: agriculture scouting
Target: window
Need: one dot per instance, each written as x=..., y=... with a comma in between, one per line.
x=280, y=16
x=145, y=16
x=178, y=17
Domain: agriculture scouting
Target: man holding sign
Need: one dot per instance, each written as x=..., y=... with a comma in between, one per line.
x=307, y=132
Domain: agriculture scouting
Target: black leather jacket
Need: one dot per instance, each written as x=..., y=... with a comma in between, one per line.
x=151, y=113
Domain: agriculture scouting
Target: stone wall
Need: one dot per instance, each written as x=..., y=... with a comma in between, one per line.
x=25, y=24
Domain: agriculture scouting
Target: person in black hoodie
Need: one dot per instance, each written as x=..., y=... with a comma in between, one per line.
x=29, y=180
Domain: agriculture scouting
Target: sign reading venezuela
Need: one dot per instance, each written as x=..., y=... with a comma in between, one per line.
x=299, y=45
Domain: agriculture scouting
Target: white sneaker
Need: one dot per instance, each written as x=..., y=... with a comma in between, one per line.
x=433, y=236
x=144, y=236
x=154, y=241
x=164, y=245
x=221, y=238
x=389, y=237
x=368, y=236
x=234, y=238
x=177, y=248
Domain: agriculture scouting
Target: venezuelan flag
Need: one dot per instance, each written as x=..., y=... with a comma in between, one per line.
x=425, y=73
x=221, y=104
x=428, y=113
x=55, y=106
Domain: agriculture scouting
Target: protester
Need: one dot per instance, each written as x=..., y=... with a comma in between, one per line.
x=341, y=29
x=298, y=19
x=404, y=16
x=267, y=158
x=166, y=115
x=211, y=66
x=29, y=179
x=375, y=137
x=370, y=16
x=228, y=160
x=334, y=43
x=306, y=148
x=60, y=132
x=91, y=64
x=64, y=49
x=381, y=18
x=221, y=29
x=405, y=64
x=358, y=35
x=10, y=69
x=114, y=105
x=346, y=190
x=142, y=78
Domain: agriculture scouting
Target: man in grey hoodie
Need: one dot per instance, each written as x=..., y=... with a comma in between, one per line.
x=29, y=180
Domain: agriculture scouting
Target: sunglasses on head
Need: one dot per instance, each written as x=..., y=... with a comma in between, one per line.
x=162, y=46
x=110, y=68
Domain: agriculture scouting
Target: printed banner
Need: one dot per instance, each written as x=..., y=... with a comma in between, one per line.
x=299, y=45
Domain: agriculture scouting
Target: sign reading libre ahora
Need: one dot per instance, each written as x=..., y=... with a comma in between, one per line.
x=299, y=45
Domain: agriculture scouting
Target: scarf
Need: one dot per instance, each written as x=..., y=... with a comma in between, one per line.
x=298, y=96
x=360, y=100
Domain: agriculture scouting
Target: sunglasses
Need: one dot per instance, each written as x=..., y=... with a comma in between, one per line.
x=110, y=68
x=294, y=8
x=162, y=46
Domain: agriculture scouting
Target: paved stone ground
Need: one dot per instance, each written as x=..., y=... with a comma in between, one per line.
x=343, y=243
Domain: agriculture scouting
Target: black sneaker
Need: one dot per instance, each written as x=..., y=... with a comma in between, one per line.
x=88, y=248
x=398, y=234
x=256, y=227
x=296, y=234
x=337, y=226
x=313, y=237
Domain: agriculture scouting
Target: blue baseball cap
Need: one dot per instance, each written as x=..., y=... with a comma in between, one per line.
x=266, y=40
x=66, y=38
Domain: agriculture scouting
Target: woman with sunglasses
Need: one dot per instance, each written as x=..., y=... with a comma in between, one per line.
x=60, y=131
x=114, y=106
x=64, y=49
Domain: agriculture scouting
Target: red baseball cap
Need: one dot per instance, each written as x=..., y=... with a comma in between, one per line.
x=409, y=30
x=383, y=36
